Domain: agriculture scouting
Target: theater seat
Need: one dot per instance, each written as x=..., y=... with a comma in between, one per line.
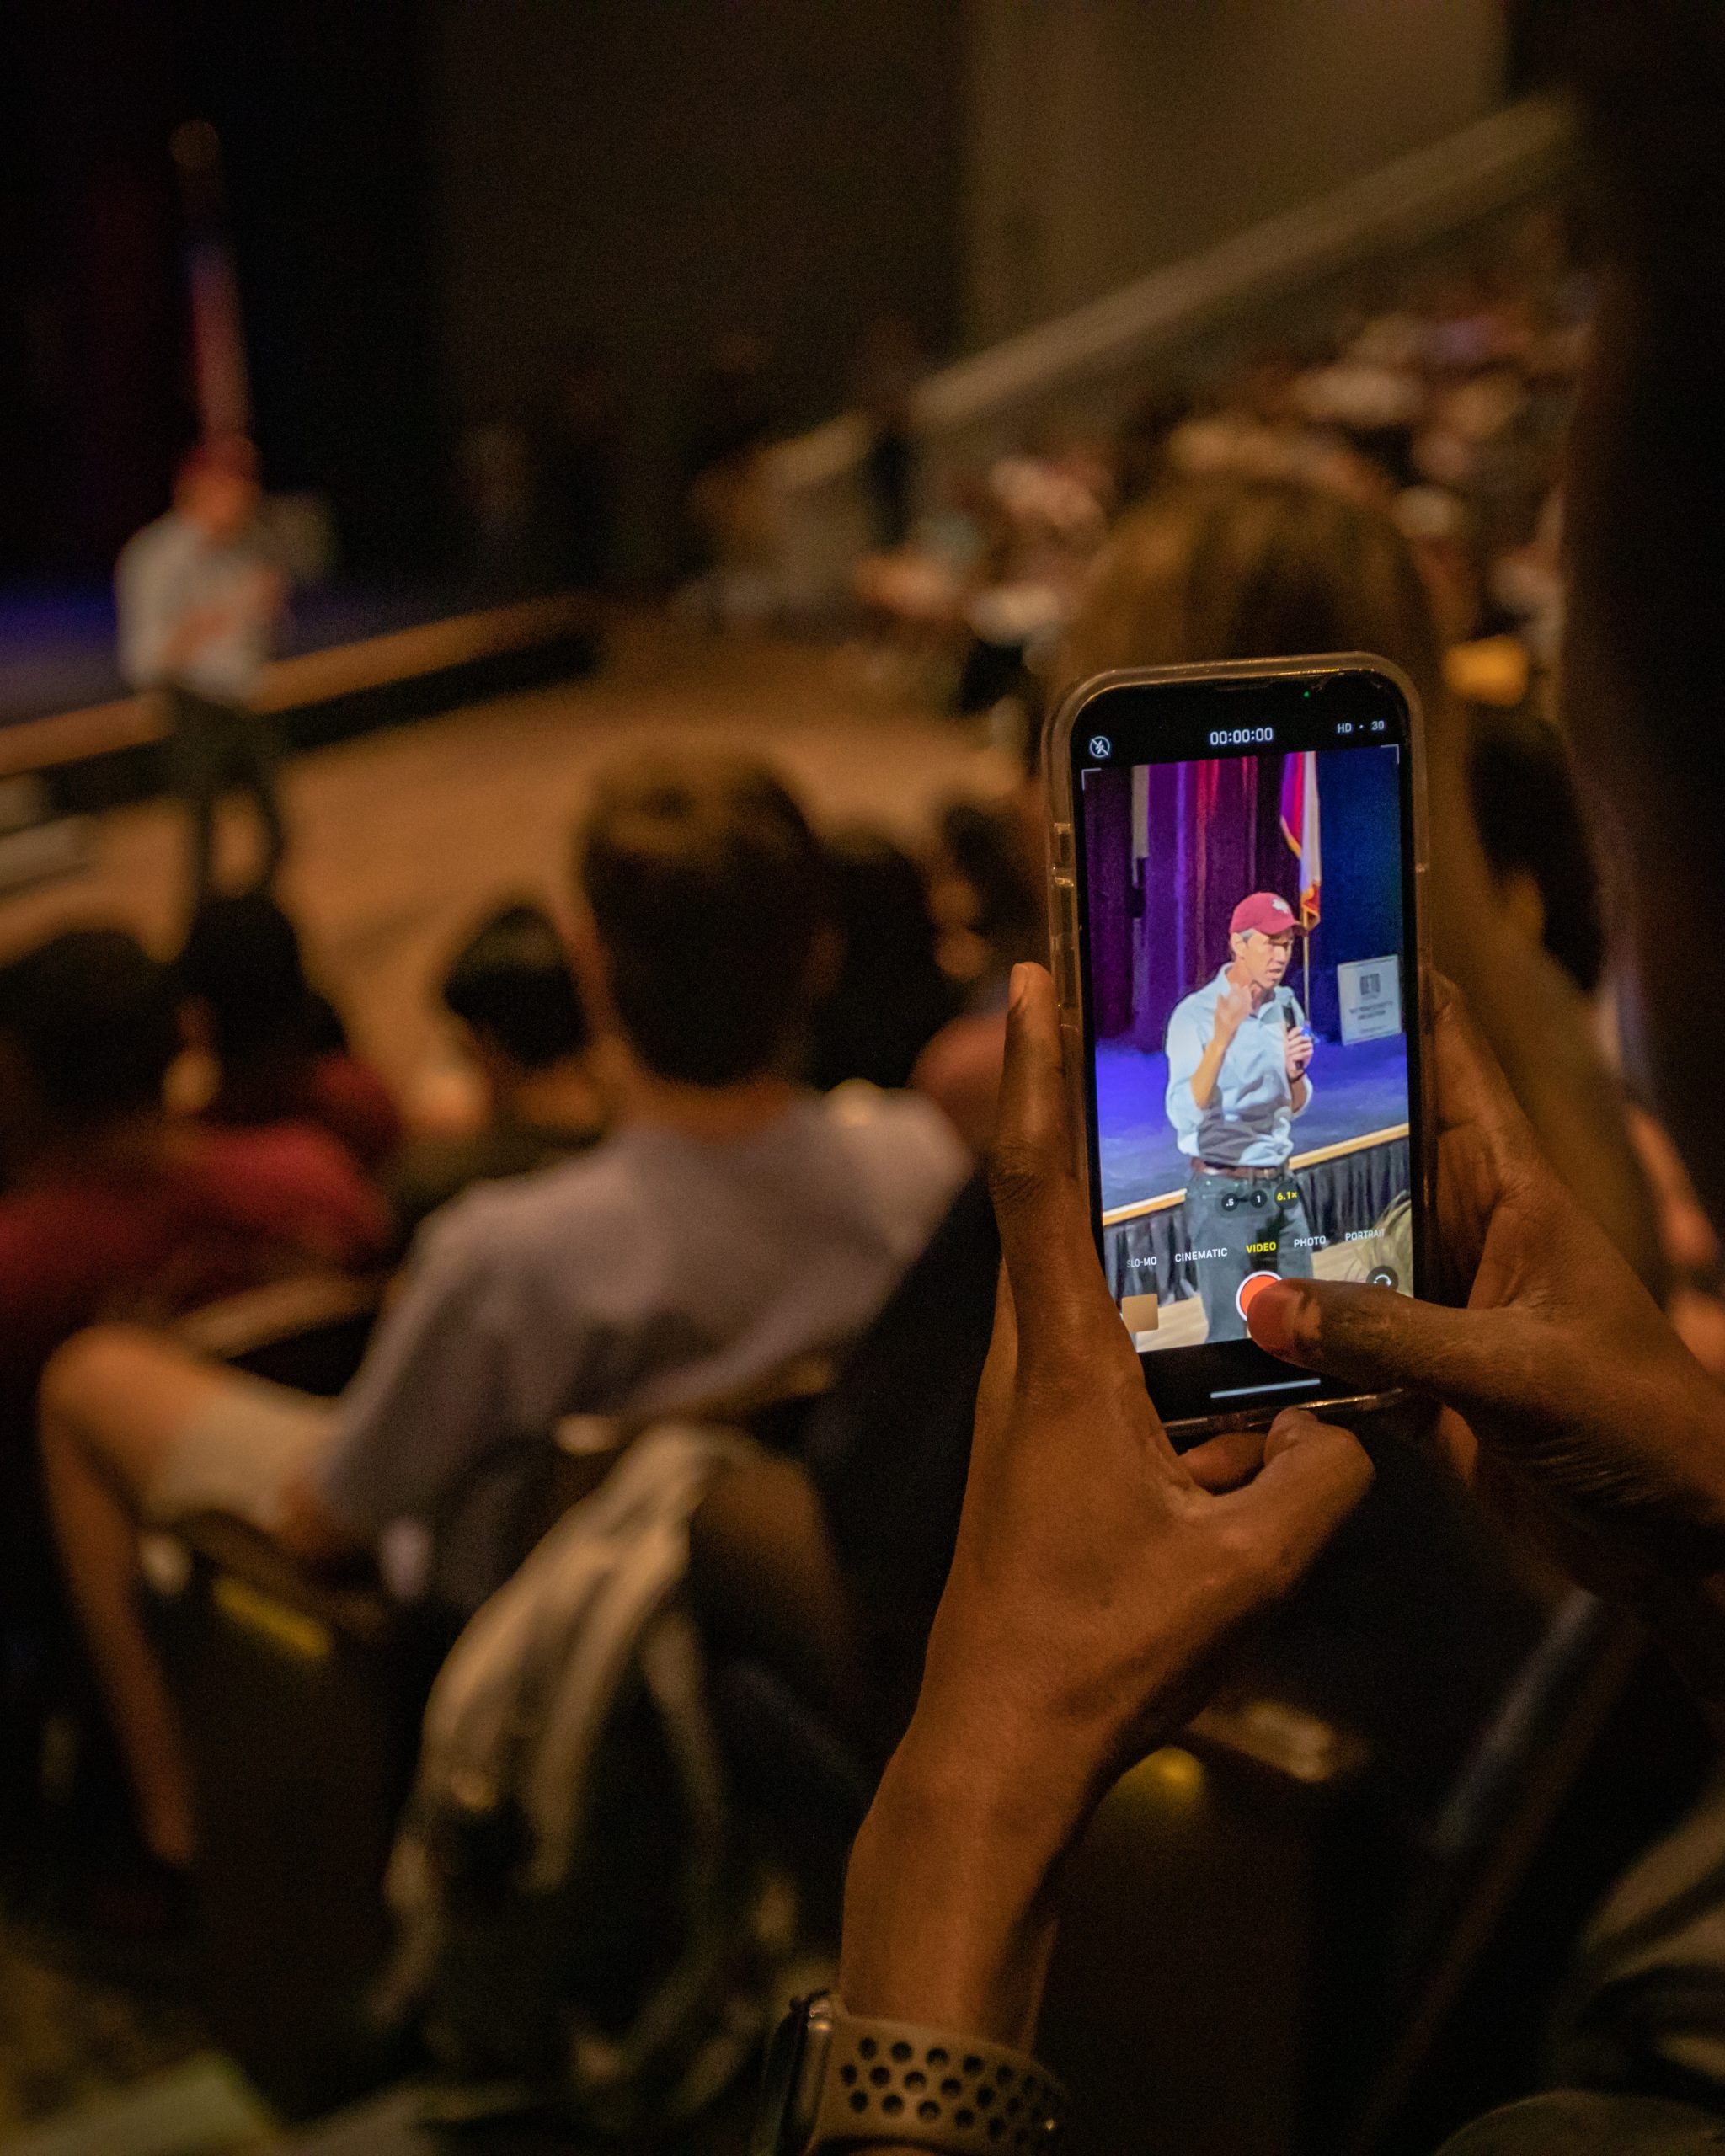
x=301, y=1699
x=1254, y=1953
x=309, y=1332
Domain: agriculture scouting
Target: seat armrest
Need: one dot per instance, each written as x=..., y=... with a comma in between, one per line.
x=258, y=1317
x=255, y=1575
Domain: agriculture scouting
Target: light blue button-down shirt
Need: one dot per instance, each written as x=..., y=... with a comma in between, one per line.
x=1248, y=1122
x=170, y=570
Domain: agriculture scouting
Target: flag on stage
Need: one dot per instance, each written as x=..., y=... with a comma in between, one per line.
x=1299, y=827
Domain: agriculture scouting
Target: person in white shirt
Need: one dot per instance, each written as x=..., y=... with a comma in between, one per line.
x=731, y=1225
x=198, y=601
x=1239, y=1057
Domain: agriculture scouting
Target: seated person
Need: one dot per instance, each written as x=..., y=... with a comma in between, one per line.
x=110, y=1207
x=988, y=893
x=1543, y=865
x=511, y=990
x=891, y=996
x=1244, y=569
x=279, y=1048
x=110, y=1204
x=732, y=1223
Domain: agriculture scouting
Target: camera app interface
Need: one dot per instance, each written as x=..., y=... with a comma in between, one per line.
x=1246, y=988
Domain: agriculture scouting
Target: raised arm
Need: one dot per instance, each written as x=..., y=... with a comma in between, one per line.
x=1096, y=1579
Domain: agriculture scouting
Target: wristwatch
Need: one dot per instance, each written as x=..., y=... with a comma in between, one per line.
x=836, y=2080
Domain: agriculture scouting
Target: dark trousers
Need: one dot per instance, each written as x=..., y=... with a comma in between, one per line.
x=1232, y=1215
x=212, y=747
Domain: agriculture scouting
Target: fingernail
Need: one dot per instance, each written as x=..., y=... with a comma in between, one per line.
x=1273, y=1319
x=1287, y=1427
x=1019, y=982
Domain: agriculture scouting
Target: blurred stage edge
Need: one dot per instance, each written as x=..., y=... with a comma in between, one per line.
x=58, y=768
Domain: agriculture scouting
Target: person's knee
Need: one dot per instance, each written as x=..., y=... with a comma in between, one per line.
x=93, y=1367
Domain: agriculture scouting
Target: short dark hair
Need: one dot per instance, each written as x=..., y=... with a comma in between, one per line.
x=241, y=957
x=511, y=981
x=93, y=1016
x=706, y=887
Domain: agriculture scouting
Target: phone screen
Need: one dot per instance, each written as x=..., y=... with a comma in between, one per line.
x=1243, y=855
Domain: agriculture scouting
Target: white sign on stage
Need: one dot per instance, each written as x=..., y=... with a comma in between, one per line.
x=1370, y=993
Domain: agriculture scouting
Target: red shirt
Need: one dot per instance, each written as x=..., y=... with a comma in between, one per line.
x=222, y=1210
x=336, y=1089
x=347, y=1096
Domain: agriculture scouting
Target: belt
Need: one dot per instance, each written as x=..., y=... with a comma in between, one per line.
x=1254, y=1175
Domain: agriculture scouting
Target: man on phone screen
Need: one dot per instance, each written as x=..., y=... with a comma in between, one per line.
x=1239, y=1053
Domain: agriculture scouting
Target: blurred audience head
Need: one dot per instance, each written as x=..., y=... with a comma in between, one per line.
x=242, y=969
x=511, y=986
x=706, y=887
x=1535, y=839
x=87, y=1031
x=987, y=895
x=217, y=486
x=891, y=994
x=1253, y=568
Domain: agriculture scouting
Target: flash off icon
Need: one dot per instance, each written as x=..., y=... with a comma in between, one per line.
x=1101, y=746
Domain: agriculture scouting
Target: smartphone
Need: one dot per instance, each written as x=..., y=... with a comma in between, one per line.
x=1236, y=871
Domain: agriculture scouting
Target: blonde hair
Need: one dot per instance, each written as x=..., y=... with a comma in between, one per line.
x=1252, y=568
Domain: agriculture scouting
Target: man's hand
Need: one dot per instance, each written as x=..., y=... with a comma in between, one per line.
x=1233, y=1006
x=1097, y=1580
x=1233, y=1009
x=1297, y=1046
x=1577, y=1411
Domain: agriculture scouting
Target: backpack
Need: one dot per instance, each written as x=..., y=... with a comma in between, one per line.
x=580, y=1924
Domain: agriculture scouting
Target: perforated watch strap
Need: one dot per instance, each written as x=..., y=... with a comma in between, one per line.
x=895, y=2081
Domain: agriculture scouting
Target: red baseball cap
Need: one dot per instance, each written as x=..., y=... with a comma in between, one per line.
x=1265, y=912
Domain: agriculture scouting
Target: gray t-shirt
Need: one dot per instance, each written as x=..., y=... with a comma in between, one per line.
x=649, y=1276
x=170, y=570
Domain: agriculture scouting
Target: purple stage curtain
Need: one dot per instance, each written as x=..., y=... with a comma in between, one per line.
x=1114, y=898
x=1213, y=836
x=1159, y=926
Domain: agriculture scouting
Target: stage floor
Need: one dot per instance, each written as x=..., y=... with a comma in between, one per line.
x=402, y=838
x=1355, y=1090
